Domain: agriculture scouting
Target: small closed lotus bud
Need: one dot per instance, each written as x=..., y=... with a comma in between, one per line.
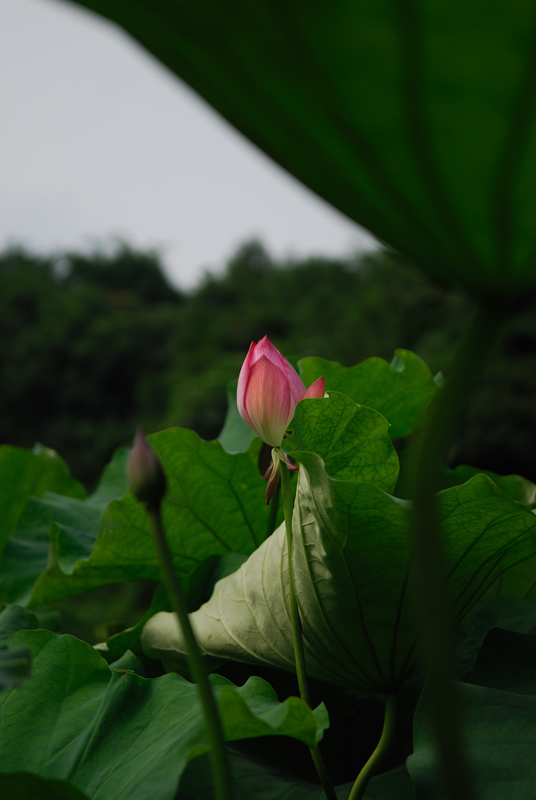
x=269, y=389
x=146, y=478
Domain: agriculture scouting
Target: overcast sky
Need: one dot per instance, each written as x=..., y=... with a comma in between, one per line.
x=100, y=141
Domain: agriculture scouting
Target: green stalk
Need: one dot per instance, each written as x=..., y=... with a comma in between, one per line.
x=218, y=752
x=444, y=414
x=361, y=782
x=299, y=654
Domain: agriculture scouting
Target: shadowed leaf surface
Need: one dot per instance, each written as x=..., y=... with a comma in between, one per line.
x=499, y=717
x=413, y=118
x=113, y=733
x=21, y=786
x=253, y=780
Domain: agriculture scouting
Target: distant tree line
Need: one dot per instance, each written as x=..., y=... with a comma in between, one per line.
x=93, y=345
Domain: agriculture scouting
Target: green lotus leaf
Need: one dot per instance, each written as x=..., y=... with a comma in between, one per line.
x=414, y=119
x=354, y=570
x=55, y=532
x=112, y=733
x=498, y=712
x=30, y=473
x=515, y=486
x=401, y=390
x=21, y=786
x=352, y=440
x=215, y=505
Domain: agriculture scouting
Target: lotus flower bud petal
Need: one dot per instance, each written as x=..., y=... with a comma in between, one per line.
x=146, y=479
x=316, y=389
x=295, y=383
x=269, y=403
x=269, y=389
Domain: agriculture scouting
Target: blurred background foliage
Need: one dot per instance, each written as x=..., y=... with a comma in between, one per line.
x=92, y=345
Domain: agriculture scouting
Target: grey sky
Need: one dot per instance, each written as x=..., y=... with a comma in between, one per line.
x=99, y=141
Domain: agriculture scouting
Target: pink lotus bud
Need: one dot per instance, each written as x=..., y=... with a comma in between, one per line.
x=146, y=479
x=269, y=389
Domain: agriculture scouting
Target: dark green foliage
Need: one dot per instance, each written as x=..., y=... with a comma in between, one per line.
x=84, y=349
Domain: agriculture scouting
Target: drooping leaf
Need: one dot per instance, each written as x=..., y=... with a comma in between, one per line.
x=115, y=734
x=27, y=473
x=411, y=118
x=401, y=390
x=352, y=440
x=53, y=533
x=353, y=570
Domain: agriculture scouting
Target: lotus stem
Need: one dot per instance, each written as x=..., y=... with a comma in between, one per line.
x=297, y=637
x=220, y=760
x=443, y=417
x=366, y=773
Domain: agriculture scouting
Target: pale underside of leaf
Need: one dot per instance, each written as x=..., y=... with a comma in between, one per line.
x=354, y=581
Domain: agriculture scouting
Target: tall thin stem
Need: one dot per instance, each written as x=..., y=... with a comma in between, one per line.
x=443, y=417
x=361, y=782
x=297, y=639
x=220, y=760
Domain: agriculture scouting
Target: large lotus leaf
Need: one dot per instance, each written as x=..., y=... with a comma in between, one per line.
x=353, y=568
x=515, y=486
x=414, y=119
x=500, y=737
x=401, y=390
x=27, y=473
x=112, y=733
x=54, y=532
x=215, y=504
x=352, y=440
x=519, y=582
x=499, y=722
x=22, y=786
x=254, y=781
x=511, y=615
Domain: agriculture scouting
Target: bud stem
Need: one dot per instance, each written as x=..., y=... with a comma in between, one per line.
x=362, y=780
x=220, y=761
x=297, y=639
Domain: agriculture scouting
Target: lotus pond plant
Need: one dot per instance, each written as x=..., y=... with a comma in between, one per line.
x=384, y=613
